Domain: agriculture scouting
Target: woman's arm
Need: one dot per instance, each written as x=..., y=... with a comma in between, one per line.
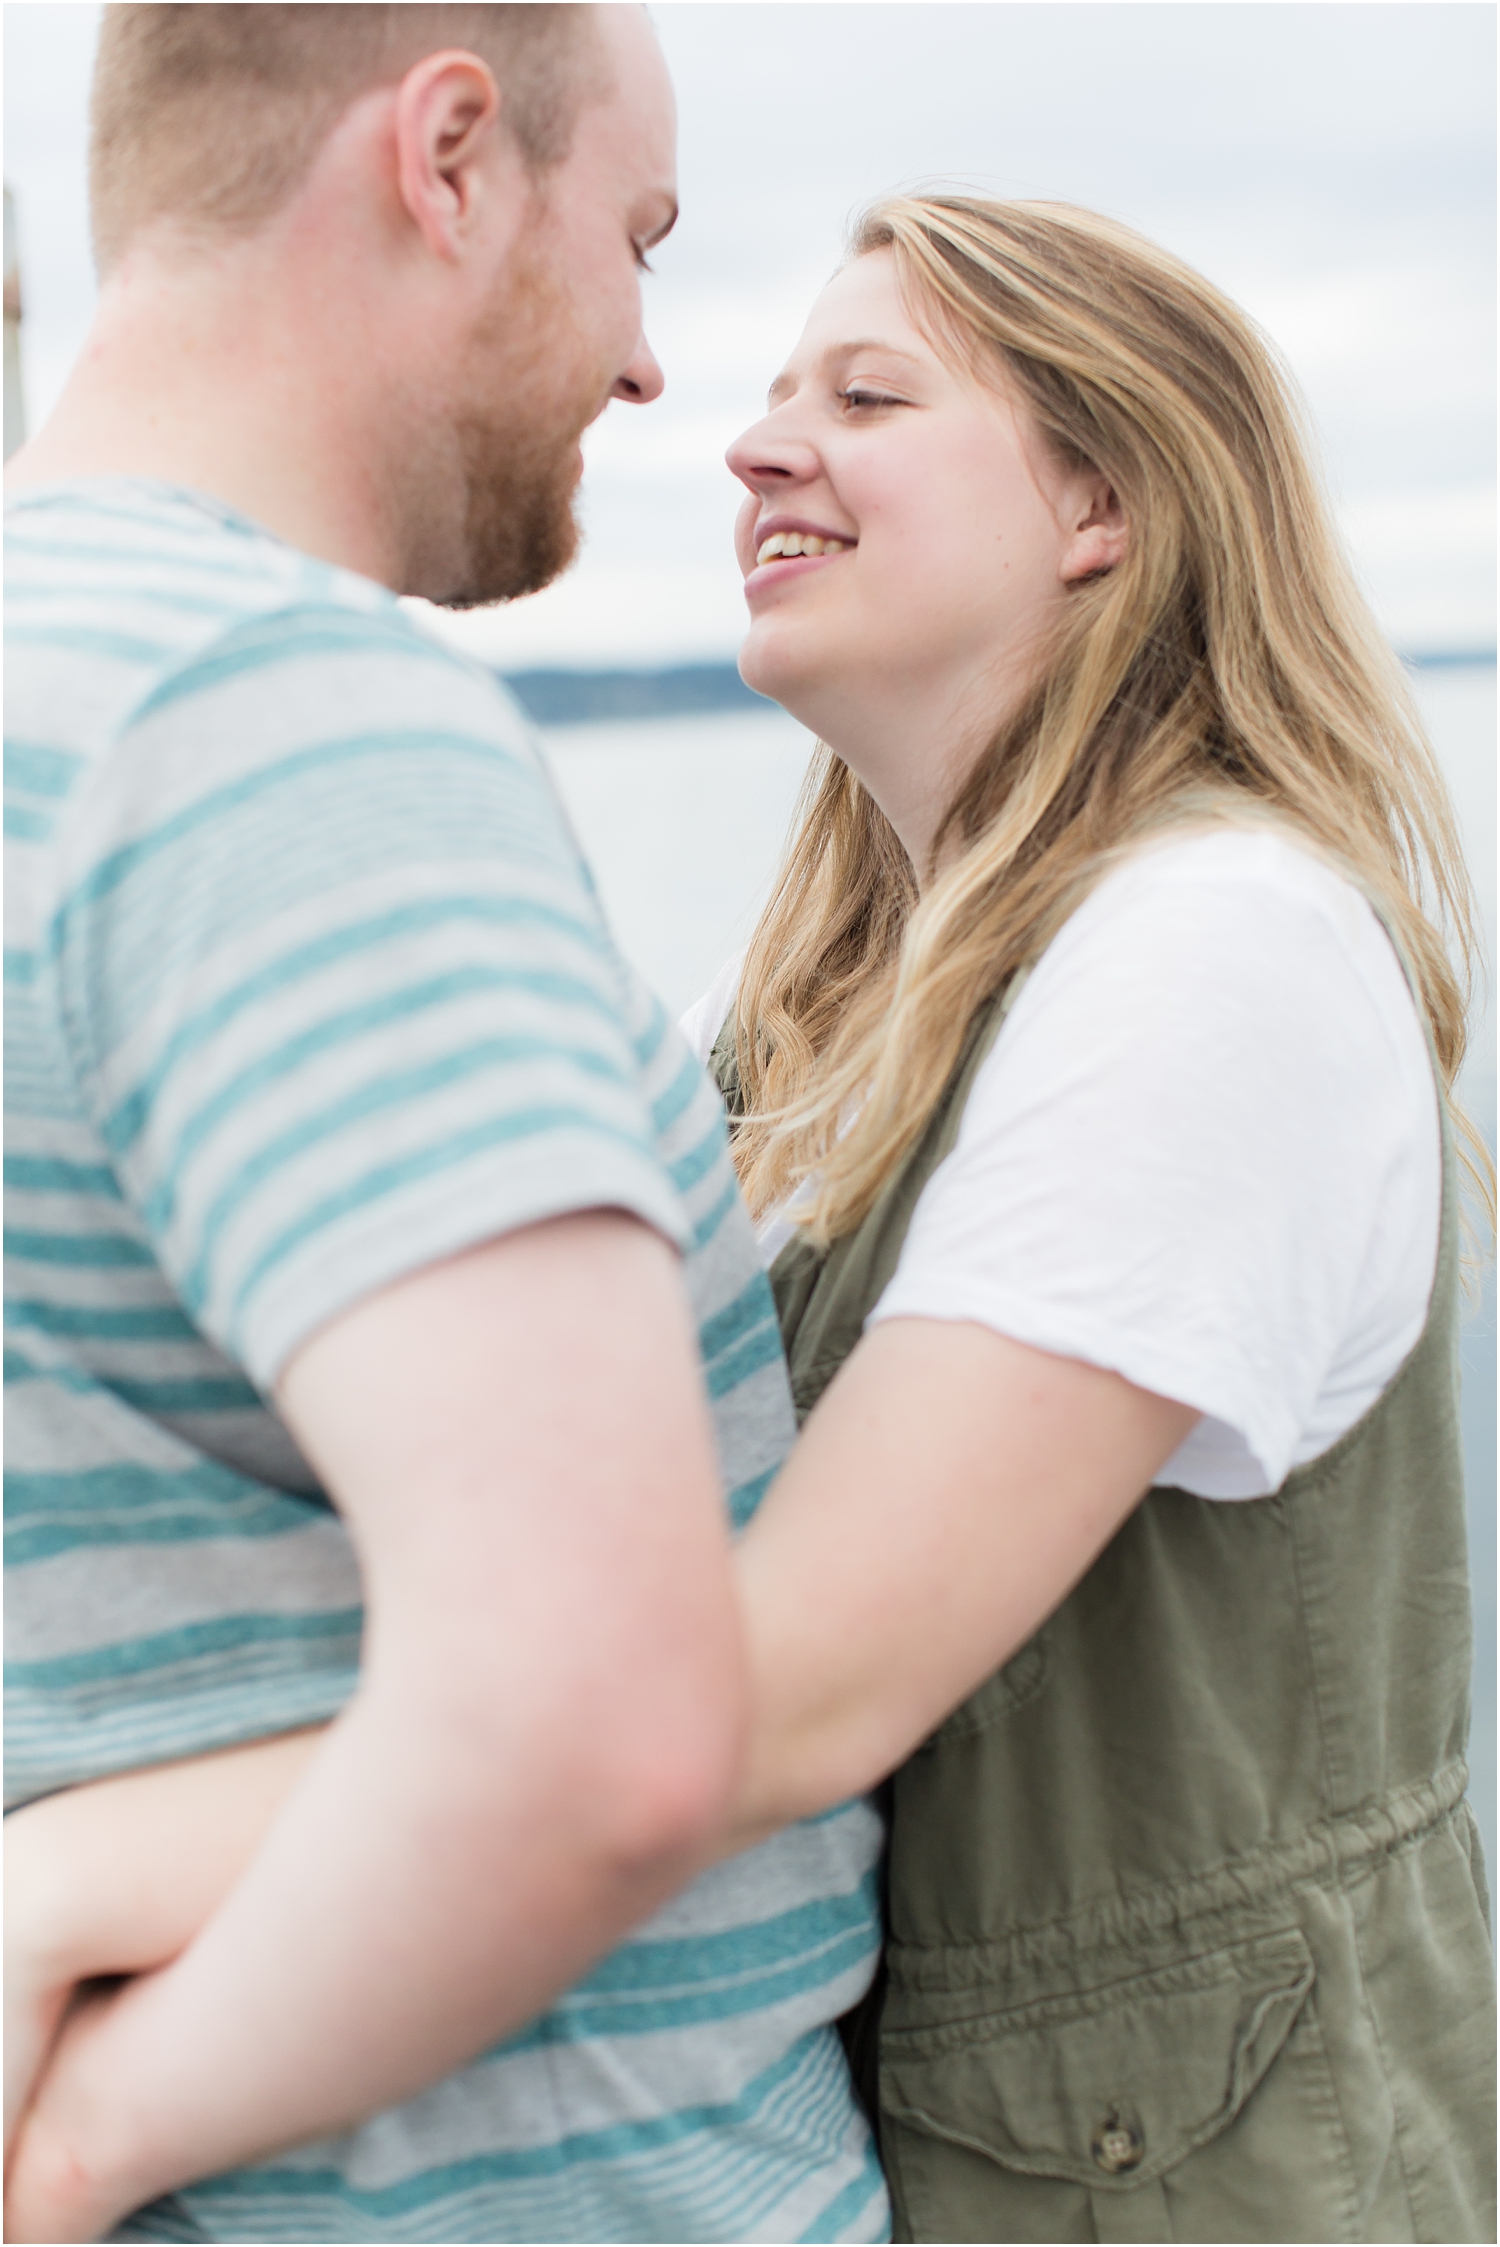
x=118, y=1877
x=947, y=1493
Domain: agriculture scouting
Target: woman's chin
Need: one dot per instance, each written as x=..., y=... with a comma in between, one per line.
x=772, y=665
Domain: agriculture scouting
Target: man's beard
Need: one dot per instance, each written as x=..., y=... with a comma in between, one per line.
x=520, y=462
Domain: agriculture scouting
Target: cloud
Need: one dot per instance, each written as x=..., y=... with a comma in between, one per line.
x=1329, y=165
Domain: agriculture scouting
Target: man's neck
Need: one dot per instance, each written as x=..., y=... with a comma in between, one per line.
x=190, y=378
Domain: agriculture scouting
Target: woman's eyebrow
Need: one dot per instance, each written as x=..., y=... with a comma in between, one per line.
x=837, y=351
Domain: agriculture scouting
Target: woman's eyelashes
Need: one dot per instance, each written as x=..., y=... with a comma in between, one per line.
x=858, y=395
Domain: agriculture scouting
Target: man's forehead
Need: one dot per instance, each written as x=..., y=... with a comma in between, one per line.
x=638, y=114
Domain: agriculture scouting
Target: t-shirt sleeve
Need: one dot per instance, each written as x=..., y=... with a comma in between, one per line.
x=705, y=1018
x=335, y=981
x=1177, y=1162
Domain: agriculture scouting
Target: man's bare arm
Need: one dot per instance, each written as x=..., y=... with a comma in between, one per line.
x=544, y=1738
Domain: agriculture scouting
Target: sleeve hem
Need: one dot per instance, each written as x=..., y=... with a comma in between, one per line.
x=1064, y=1334
x=334, y=1275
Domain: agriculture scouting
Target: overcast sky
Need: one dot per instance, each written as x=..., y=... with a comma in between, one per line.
x=1330, y=165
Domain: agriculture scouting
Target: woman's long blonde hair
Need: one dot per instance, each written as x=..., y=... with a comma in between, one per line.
x=1227, y=667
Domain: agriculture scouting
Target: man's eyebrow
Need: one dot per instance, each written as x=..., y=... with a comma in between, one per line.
x=837, y=351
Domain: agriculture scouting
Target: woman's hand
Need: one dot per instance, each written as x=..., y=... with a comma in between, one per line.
x=34, y=2008
x=118, y=1877
x=64, y=2180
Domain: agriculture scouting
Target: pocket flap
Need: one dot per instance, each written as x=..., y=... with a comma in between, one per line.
x=1112, y=2086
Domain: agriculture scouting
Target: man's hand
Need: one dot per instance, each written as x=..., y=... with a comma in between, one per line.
x=544, y=1741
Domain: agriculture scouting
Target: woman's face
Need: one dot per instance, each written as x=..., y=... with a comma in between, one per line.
x=950, y=534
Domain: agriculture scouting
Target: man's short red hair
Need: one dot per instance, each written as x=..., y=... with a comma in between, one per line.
x=212, y=115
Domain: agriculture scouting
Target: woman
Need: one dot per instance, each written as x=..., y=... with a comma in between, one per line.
x=1084, y=1069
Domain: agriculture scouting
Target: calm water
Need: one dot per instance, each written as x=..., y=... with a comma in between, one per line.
x=683, y=820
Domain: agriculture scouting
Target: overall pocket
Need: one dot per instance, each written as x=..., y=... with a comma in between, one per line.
x=1193, y=2102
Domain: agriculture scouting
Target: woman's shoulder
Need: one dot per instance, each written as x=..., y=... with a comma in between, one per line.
x=1252, y=909
x=1236, y=862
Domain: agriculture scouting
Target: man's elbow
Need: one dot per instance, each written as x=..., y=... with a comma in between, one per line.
x=666, y=1768
x=633, y=1770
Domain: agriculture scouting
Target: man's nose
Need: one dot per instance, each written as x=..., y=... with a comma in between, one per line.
x=643, y=379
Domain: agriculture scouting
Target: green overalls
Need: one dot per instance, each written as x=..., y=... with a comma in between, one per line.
x=1188, y=1930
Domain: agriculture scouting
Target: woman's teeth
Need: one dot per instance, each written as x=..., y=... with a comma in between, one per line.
x=785, y=543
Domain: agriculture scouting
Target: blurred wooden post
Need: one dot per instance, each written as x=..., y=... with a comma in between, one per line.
x=15, y=409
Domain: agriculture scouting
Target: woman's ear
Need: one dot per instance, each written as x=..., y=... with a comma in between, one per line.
x=1100, y=533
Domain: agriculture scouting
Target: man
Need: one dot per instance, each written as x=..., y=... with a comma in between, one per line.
x=328, y=1088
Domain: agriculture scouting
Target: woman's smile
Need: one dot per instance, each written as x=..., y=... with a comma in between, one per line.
x=786, y=548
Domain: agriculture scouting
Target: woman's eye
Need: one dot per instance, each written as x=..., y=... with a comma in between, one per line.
x=855, y=397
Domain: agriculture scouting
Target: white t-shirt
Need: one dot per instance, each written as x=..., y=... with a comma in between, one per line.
x=1203, y=1152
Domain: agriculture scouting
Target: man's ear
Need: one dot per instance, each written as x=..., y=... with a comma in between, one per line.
x=446, y=118
x=1100, y=533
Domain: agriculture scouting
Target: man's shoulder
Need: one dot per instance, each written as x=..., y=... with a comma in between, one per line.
x=139, y=610
x=159, y=592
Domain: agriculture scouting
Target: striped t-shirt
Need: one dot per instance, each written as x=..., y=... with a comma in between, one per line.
x=307, y=987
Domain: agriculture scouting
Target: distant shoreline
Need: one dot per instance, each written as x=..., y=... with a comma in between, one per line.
x=564, y=697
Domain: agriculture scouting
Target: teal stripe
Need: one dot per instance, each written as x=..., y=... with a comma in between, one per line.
x=291, y=635
x=707, y=1226
x=621, y=2141
x=224, y=803
x=358, y=1022
x=133, y=595
x=94, y=1251
x=125, y=1504
x=247, y=573
x=647, y=1963
x=225, y=1395
x=657, y=1028
x=207, y=1393
x=127, y=1119
x=38, y=770
x=679, y=1095
x=759, y=1349
x=447, y=1154
x=660, y=2015
x=838, y=2217
x=146, y=1322
x=44, y=1174
x=189, y=1642
x=81, y=640
x=378, y=1097
x=53, y=1743
x=746, y=1496
x=754, y=1304
x=27, y=826
x=22, y=969
x=696, y=1164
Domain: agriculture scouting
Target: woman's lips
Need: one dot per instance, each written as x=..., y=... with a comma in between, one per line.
x=766, y=575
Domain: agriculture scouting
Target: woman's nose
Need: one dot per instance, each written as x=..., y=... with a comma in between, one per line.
x=766, y=459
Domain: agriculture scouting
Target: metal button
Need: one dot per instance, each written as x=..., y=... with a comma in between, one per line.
x=1117, y=2146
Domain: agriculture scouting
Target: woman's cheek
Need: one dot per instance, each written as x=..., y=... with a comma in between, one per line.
x=744, y=534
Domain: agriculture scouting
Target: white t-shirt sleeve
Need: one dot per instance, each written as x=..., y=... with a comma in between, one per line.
x=1204, y=1153
x=705, y=1017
